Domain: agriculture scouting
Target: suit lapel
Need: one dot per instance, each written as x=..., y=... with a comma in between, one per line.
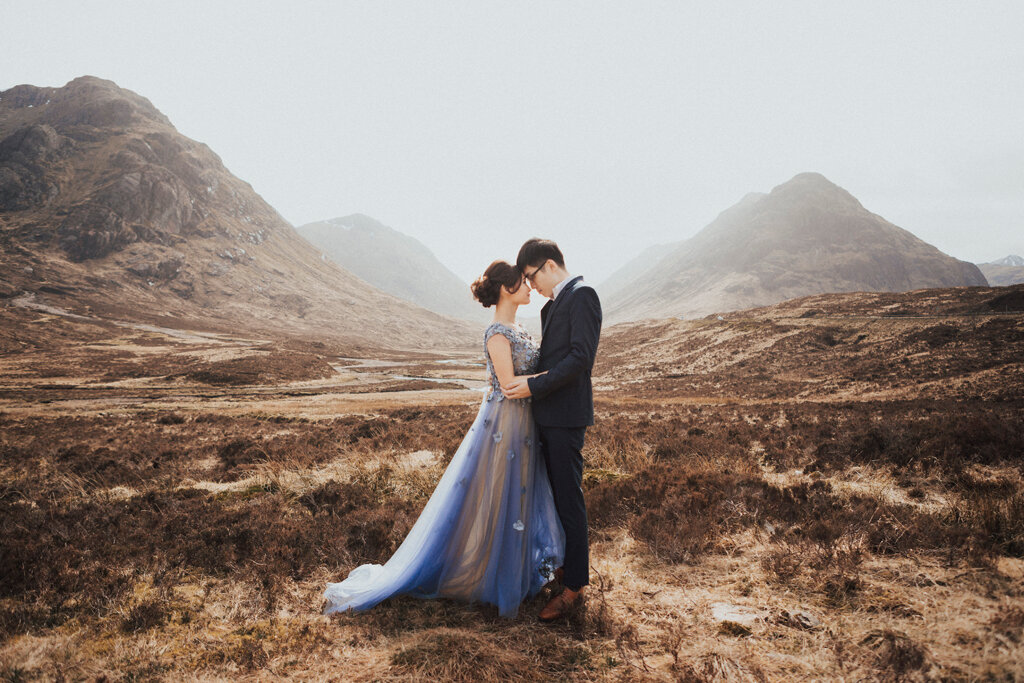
x=562, y=296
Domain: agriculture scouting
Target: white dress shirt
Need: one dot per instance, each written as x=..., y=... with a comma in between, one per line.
x=558, y=288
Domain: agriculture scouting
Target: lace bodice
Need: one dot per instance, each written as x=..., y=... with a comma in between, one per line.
x=525, y=354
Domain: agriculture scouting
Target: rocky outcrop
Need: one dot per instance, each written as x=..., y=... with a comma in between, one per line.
x=25, y=156
x=85, y=101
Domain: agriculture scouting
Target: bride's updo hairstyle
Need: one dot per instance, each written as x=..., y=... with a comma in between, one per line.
x=487, y=287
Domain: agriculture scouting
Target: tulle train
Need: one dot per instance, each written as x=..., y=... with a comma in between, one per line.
x=489, y=533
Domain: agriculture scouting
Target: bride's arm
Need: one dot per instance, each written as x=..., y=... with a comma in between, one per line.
x=500, y=351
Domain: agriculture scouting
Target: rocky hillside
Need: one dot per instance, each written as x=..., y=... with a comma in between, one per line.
x=807, y=236
x=829, y=347
x=105, y=208
x=1008, y=270
x=395, y=263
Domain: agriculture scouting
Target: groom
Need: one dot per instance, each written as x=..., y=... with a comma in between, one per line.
x=563, y=400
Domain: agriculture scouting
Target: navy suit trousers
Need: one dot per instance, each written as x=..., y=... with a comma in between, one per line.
x=562, y=450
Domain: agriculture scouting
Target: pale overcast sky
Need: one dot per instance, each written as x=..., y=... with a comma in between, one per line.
x=607, y=126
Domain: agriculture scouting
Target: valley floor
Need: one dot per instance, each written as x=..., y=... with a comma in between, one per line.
x=172, y=506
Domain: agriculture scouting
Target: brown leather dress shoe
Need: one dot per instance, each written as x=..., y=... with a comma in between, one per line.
x=559, y=605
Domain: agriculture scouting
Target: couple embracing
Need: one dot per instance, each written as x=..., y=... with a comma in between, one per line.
x=507, y=517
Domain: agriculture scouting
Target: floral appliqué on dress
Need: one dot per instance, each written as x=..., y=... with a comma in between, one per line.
x=525, y=356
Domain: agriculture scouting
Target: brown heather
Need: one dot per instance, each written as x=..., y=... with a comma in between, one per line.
x=172, y=507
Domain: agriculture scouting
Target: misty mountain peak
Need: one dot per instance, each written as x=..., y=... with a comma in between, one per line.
x=393, y=261
x=807, y=236
x=812, y=187
x=360, y=223
x=1011, y=260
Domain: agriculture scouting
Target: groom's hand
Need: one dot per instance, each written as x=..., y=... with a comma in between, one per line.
x=517, y=388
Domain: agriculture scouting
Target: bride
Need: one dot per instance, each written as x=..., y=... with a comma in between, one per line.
x=489, y=532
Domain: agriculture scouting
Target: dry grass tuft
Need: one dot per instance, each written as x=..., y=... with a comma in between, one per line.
x=896, y=654
x=714, y=667
x=1009, y=623
x=449, y=654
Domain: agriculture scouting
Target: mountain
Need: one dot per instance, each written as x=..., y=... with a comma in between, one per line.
x=106, y=208
x=635, y=268
x=1008, y=270
x=807, y=236
x=395, y=263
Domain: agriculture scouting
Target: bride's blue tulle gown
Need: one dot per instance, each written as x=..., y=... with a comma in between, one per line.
x=490, y=532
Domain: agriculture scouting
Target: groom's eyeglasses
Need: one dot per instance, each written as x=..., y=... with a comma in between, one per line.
x=530, y=276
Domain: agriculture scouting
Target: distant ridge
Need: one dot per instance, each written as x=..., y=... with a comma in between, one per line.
x=395, y=263
x=807, y=236
x=1008, y=270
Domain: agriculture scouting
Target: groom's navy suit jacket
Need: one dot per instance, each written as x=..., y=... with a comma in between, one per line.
x=570, y=328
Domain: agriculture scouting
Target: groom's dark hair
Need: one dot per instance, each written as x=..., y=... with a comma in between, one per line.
x=536, y=251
